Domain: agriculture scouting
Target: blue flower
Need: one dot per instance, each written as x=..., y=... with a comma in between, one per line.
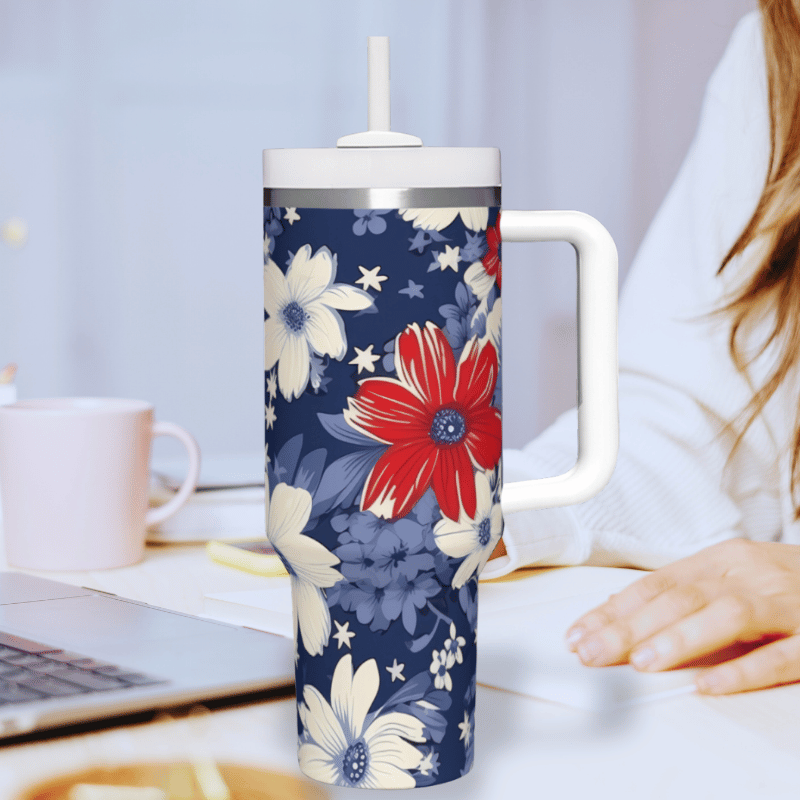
x=388, y=359
x=399, y=550
x=362, y=527
x=469, y=695
x=369, y=219
x=272, y=228
x=370, y=602
x=426, y=512
x=357, y=561
x=468, y=600
x=408, y=596
x=475, y=248
x=288, y=467
x=461, y=320
x=372, y=547
x=423, y=238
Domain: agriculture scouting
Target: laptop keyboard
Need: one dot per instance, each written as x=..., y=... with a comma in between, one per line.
x=32, y=671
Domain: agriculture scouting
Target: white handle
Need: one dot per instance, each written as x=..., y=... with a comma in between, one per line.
x=156, y=515
x=598, y=416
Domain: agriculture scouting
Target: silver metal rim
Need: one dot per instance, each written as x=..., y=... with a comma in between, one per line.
x=433, y=197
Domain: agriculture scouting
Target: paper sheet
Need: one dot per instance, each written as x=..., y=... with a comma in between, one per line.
x=521, y=626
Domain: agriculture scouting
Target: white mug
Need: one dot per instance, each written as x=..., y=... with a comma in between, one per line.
x=74, y=479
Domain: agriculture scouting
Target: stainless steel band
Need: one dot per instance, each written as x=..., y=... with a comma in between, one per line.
x=435, y=197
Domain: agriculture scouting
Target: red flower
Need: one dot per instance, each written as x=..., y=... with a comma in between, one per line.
x=491, y=261
x=437, y=419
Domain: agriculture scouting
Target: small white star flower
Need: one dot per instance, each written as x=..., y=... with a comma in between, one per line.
x=343, y=635
x=426, y=765
x=291, y=215
x=270, y=416
x=272, y=384
x=449, y=258
x=370, y=279
x=396, y=671
x=466, y=730
x=365, y=359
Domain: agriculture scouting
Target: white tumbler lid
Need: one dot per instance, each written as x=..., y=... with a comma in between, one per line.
x=382, y=159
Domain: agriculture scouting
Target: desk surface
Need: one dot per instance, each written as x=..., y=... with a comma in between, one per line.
x=743, y=746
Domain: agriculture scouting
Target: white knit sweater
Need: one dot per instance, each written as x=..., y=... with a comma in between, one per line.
x=674, y=490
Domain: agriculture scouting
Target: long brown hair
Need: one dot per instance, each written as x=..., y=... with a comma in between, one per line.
x=774, y=286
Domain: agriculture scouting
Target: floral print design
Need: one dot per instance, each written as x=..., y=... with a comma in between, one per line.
x=309, y=564
x=345, y=745
x=369, y=220
x=483, y=274
x=437, y=418
x=438, y=219
x=383, y=477
x=472, y=537
x=302, y=316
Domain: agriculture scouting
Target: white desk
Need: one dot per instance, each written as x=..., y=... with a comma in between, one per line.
x=745, y=746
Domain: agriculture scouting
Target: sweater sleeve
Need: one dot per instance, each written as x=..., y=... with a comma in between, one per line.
x=678, y=485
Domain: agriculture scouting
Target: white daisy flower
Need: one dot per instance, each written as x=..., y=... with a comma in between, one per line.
x=493, y=325
x=472, y=539
x=309, y=563
x=476, y=219
x=441, y=662
x=302, y=317
x=348, y=746
x=479, y=280
x=454, y=644
x=481, y=283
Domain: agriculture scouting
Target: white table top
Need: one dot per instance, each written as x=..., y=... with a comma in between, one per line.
x=743, y=746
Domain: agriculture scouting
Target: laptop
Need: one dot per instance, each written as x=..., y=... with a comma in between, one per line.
x=71, y=655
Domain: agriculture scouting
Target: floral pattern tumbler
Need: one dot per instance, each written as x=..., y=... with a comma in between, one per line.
x=382, y=299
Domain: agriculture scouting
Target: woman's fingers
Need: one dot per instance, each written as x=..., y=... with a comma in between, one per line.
x=769, y=665
x=724, y=621
x=620, y=605
x=729, y=594
x=613, y=643
x=708, y=564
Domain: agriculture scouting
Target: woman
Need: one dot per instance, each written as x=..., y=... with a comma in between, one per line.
x=708, y=477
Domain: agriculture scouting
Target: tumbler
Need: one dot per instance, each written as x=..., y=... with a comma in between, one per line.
x=383, y=387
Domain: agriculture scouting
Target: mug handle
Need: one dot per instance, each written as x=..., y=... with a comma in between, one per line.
x=598, y=414
x=156, y=515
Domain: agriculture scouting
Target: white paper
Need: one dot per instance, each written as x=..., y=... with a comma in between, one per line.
x=521, y=626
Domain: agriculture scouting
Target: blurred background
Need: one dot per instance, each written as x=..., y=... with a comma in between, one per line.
x=130, y=170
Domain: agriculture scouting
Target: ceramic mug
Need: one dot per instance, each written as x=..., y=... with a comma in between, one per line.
x=74, y=481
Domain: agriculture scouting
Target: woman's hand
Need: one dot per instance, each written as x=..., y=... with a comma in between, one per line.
x=734, y=593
